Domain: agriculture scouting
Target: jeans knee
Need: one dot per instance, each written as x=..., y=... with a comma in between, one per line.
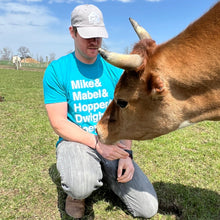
x=147, y=210
x=76, y=191
x=79, y=177
x=153, y=209
x=81, y=189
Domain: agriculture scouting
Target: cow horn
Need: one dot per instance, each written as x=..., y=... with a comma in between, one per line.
x=141, y=32
x=123, y=61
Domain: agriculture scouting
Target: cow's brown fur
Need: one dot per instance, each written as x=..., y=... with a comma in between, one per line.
x=178, y=81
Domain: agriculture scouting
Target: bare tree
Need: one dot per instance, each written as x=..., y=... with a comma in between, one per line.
x=6, y=53
x=41, y=59
x=47, y=60
x=128, y=49
x=24, y=52
x=52, y=57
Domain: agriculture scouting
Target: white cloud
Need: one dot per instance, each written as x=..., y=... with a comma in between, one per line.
x=29, y=15
x=32, y=25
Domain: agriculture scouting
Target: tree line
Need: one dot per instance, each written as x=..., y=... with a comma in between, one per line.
x=24, y=52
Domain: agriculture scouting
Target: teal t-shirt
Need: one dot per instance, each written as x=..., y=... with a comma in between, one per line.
x=87, y=88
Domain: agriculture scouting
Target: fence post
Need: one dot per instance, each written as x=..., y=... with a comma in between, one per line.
x=16, y=63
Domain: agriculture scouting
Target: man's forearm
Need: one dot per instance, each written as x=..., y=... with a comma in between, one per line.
x=72, y=132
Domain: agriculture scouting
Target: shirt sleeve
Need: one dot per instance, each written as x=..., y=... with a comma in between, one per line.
x=54, y=91
x=116, y=74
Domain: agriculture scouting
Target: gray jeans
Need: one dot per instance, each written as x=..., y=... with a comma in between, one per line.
x=82, y=170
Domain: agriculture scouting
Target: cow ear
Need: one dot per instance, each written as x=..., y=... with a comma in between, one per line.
x=157, y=85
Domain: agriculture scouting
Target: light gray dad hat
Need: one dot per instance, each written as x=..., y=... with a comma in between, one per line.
x=88, y=20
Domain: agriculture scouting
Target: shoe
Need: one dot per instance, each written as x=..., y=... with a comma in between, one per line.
x=75, y=208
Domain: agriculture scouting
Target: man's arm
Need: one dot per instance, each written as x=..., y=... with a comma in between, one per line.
x=57, y=113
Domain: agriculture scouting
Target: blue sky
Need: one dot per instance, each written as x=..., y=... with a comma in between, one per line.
x=42, y=25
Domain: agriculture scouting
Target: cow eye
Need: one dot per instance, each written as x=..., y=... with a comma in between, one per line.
x=122, y=103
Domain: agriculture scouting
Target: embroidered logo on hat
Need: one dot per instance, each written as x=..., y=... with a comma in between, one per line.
x=94, y=18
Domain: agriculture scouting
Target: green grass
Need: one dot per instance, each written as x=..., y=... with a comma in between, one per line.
x=184, y=166
x=6, y=62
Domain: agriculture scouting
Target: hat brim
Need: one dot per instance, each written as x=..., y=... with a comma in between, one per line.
x=91, y=32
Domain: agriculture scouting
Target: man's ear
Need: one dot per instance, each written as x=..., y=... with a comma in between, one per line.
x=72, y=32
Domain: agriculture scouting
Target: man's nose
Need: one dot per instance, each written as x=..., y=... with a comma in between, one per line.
x=95, y=39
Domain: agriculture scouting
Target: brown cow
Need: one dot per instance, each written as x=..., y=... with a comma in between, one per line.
x=165, y=87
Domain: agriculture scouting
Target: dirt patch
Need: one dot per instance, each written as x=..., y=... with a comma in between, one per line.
x=2, y=99
x=29, y=60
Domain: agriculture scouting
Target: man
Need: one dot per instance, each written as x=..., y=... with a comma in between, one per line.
x=77, y=89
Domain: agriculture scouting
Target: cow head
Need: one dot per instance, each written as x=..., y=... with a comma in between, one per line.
x=165, y=87
x=141, y=96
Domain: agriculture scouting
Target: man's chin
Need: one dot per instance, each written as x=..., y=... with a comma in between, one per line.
x=93, y=54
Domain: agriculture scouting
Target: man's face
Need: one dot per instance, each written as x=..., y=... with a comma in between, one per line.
x=86, y=50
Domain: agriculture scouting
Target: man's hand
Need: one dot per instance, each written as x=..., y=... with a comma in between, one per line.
x=125, y=170
x=112, y=152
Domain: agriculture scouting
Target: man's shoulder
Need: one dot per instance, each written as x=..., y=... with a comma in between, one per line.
x=60, y=66
x=111, y=67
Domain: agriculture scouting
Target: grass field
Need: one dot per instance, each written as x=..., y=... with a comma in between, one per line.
x=184, y=166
